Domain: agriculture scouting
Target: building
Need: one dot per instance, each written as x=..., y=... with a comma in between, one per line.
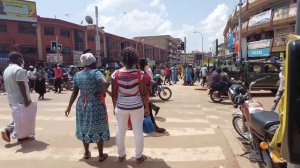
x=266, y=25
x=221, y=50
x=165, y=42
x=186, y=59
x=32, y=36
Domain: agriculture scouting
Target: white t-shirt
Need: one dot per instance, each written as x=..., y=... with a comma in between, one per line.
x=12, y=75
x=203, y=71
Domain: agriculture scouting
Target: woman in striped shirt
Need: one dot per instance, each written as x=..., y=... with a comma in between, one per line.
x=129, y=99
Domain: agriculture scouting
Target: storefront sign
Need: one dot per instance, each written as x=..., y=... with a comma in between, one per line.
x=259, y=44
x=54, y=58
x=263, y=52
x=281, y=13
x=293, y=10
x=251, y=1
x=264, y=17
x=18, y=10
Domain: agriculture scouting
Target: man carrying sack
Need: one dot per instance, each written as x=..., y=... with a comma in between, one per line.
x=22, y=127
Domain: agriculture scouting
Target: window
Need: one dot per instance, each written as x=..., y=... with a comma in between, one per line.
x=79, y=41
x=3, y=28
x=91, y=38
x=26, y=29
x=28, y=49
x=49, y=31
x=65, y=33
x=4, y=48
x=66, y=51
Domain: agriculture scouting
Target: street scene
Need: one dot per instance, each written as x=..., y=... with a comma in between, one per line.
x=150, y=83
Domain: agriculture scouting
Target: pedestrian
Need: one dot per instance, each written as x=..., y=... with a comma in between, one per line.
x=129, y=99
x=57, y=79
x=280, y=89
x=91, y=125
x=188, y=75
x=167, y=75
x=203, y=74
x=41, y=75
x=31, y=77
x=16, y=86
x=143, y=65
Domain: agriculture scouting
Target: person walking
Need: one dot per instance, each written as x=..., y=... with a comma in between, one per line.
x=280, y=90
x=16, y=86
x=143, y=65
x=167, y=75
x=203, y=74
x=31, y=77
x=57, y=78
x=129, y=99
x=91, y=122
x=41, y=75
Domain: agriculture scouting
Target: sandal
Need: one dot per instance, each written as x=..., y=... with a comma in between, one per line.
x=160, y=130
x=141, y=159
x=121, y=159
x=87, y=155
x=103, y=157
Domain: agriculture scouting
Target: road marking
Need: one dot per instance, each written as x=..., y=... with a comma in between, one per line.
x=212, y=117
x=74, y=154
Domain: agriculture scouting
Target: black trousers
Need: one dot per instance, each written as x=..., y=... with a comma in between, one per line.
x=57, y=84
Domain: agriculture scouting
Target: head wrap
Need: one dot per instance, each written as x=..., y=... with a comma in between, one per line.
x=87, y=59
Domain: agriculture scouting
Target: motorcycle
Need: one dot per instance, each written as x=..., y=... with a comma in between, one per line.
x=257, y=128
x=234, y=89
x=163, y=92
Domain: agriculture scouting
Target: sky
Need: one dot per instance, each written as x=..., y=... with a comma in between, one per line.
x=132, y=18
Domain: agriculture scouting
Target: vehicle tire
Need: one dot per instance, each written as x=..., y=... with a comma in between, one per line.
x=267, y=161
x=214, y=96
x=242, y=130
x=165, y=94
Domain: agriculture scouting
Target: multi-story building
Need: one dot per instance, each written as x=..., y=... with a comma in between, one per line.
x=32, y=36
x=165, y=42
x=266, y=25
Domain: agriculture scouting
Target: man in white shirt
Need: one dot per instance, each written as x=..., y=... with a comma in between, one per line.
x=203, y=73
x=16, y=86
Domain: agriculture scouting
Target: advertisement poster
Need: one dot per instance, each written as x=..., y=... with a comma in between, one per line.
x=18, y=10
x=264, y=17
x=259, y=44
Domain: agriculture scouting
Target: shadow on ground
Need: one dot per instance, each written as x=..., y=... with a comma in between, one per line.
x=112, y=161
x=30, y=146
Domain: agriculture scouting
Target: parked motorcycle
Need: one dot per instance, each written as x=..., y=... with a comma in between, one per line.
x=234, y=89
x=257, y=127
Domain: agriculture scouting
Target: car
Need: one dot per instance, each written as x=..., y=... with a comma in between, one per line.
x=252, y=70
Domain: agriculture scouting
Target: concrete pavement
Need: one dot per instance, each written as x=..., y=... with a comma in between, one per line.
x=199, y=134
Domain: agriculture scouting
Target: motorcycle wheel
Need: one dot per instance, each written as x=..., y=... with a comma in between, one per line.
x=215, y=96
x=240, y=126
x=165, y=94
x=267, y=161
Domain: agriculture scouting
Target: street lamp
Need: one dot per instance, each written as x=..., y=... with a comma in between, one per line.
x=240, y=30
x=202, y=44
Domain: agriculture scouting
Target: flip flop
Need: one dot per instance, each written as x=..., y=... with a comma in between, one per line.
x=87, y=155
x=103, y=157
x=141, y=159
x=121, y=159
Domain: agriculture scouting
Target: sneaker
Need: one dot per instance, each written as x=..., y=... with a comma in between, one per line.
x=5, y=135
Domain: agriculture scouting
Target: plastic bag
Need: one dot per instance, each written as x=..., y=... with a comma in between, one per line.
x=148, y=126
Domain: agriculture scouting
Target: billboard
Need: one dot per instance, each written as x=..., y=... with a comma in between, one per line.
x=18, y=10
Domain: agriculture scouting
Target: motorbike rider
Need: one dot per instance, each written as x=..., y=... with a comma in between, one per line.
x=216, y=81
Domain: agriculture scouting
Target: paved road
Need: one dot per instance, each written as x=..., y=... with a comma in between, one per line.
x=200, y=134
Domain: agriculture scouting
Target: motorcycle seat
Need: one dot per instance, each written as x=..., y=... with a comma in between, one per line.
x=263, y=120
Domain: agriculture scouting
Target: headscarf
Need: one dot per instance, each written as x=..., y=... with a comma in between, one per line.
x=87, y=59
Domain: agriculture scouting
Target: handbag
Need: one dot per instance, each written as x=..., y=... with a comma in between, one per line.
x=148, y=126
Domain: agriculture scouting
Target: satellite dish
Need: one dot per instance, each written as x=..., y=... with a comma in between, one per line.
x=89, y=19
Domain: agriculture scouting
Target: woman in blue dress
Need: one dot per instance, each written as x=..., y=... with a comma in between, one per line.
x=91, y=125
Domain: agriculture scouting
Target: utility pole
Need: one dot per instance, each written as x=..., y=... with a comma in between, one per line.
x=98, y=47
x=184, y=50
x=240, y=30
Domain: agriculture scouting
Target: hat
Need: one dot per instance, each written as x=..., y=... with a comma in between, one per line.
x=87, y=59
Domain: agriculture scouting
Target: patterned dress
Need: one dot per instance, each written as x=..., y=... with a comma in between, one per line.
x=91, y=125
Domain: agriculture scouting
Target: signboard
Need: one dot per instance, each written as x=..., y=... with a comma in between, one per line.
x=293, y=10
x=264, y=17
x=259, y=44
x=54, y=58
x=281, y=13
x=18, y=10
x=262, y=52
x=281, y=35
x=251, y=1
